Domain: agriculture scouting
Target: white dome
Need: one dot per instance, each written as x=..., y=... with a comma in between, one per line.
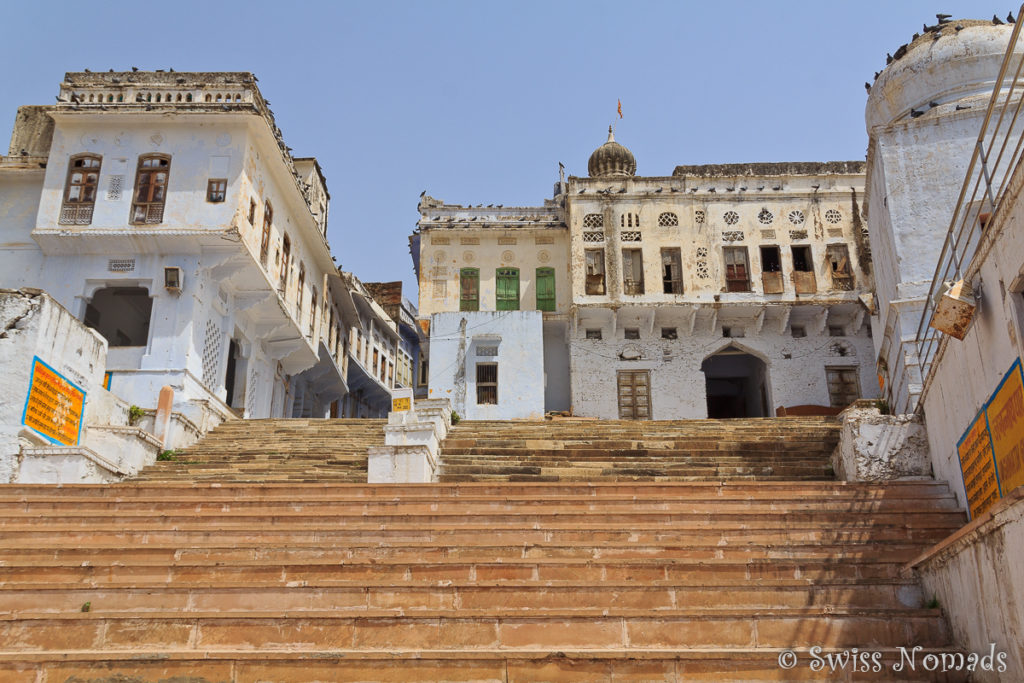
x=960, y=65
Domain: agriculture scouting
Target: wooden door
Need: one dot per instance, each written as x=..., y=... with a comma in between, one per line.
x=634, y=394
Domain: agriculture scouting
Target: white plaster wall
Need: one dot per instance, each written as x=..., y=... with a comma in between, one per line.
x=796, y=369
x=965, y=373
x=454, y=338
x=34, y=325
x=978, y=583
x=20, y=257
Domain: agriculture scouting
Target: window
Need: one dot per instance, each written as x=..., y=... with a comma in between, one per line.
x=836, y=331
x=80, y=190
x=424, y=367
x=771, y=270
x=268, y=218
x=594, y=333
x=593, y=220
x=838, y=258
x=286, y=255
x=150, y=189
x=121, y=315
x=669, y=333
x=508, y=289
x=798, y=331
x=300, y=294
x=632, y=271
x=629, y=220
x=672, y=271
x=632, y=333
x=487, y=383
x=252, y=211
x=668, y=220
x=313, y=308
x=595, y=271
x=736, y=270
x=216, y=190
x=803, y=270
x=469, y=289
x=545, y=289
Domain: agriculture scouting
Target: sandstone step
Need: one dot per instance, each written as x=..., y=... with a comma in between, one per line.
x=482, y=665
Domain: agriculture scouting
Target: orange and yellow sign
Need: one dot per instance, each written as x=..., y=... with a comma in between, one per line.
x=54, y=406
x=978, y=468
x=1006, y=424
x=400, y=404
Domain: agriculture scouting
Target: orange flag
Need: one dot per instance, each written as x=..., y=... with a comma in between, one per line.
x=620, y=109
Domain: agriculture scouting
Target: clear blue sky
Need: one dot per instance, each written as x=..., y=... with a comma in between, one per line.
x=477, y=102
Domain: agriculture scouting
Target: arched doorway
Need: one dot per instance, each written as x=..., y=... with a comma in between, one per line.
x=736, y=383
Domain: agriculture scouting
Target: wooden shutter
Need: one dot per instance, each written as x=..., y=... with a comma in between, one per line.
x=508, y=289
x=545, y=289
x=469, y=289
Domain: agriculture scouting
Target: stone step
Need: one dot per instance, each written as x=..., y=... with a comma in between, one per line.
x=668, y=629
x=765, y=491
x=511, y=518
x=655, y=571
x=479, y=598
x=482, y=665
x=356, y=550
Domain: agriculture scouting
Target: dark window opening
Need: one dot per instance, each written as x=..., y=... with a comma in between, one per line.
x=268, y=217
x=802, y=259
x=121, y=315
x=286, y=255
x=669, y=333
x=632, y=333
x=836, y=331
x=487, y=383
x=798, y=331
x=672, y=271
x=771, y=262
x=593, y=333
x=838, y=257
x=252, y=211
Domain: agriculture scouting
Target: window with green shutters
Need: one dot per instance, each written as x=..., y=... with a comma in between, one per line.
x=469, y=289
x=545, y=289
x=508, y=289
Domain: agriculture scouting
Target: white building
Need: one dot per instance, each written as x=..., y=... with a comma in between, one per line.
x=723, y=291
x=165, y=211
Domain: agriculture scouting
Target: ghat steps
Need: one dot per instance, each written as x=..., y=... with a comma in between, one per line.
x=633, y=561
x=275, y=450
x=478, y=581
x=787, y=449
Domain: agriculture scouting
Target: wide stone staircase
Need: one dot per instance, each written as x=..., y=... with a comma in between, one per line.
x=275, y=450
x=602, y=580
x=793, y=448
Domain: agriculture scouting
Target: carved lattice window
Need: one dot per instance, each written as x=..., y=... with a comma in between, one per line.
x=668, y=220
x=731, y=218
x=593, y=220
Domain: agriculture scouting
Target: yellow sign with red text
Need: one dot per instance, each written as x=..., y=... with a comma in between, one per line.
x=1006, y=424
x=54, y=405
x=978, y=468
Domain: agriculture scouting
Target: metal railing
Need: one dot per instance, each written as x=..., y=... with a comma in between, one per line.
x=981, y=196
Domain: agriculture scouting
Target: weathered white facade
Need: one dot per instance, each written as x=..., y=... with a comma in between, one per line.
x=727, y=290
x=923, y=116
x=165, y=211
x=373, y=347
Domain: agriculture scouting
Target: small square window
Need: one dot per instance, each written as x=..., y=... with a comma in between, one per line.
x=487, y=383
x=216, y=190
x=726, y=331
x=632, y=333
x=669, y=333
x=798, y=331
x=594, y=333
x=252, y=211
x=836, y=331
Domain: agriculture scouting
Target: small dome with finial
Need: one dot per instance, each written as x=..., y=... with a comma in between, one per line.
x=611, y=160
